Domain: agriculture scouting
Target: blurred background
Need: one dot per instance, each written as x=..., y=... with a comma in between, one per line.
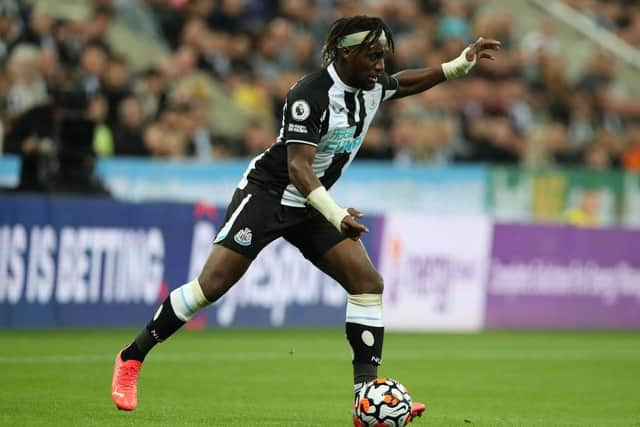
x=114, y=113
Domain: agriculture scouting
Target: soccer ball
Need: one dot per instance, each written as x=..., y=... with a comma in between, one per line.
x=383, y=402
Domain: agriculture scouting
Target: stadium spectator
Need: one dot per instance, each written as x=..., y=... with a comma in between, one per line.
x=28, y=88
x=376, y=145
x=151, y=89
x=246, y=54
x=620, y=17
x=586, y=212
x=93, y=64
x=115, y=85
x=128, y=140
x=102, y=137
x=56, y=142
x=631, y=154
x=257, y=138
x=11, y=27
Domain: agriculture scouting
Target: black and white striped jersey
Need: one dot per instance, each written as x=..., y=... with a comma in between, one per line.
x=320, y=110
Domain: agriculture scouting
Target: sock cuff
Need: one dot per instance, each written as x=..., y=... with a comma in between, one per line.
x=188, y=299
x=199, y=295
x=365, y=299
x=365, y=309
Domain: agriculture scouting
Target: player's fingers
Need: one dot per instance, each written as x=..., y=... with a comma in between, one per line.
x=360, y=228
x=355, y=212
x=352, y=228
x=487, y=42
x=483, y=44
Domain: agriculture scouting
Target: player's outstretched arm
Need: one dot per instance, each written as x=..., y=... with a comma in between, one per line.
x=411, y=82
x=299, y=160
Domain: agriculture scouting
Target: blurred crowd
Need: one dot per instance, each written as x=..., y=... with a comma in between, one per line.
x=621, y=17
x=206, y=79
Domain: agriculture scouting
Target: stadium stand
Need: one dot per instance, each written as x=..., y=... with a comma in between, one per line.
x=204, y=79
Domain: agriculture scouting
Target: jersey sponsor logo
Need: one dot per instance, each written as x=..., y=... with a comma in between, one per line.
x=300, y=110
x=297, y=128
x=243, y=237
x=341, y=140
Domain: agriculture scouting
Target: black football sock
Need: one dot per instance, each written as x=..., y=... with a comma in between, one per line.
x=366, y=343
x=163, y=325
x=364, y=372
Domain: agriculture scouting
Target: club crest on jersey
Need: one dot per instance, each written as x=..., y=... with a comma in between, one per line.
x=300, y=110
x=243, y=237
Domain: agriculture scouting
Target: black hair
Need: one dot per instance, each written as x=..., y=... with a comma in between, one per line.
x=355, y=24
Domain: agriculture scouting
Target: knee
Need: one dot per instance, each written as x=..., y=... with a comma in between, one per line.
x=214, y=283
x=371, y=283
x=378, y=284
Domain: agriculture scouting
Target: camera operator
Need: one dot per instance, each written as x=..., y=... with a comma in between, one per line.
x=55, y=141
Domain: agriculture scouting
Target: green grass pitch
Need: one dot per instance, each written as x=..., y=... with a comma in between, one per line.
x=301, y=377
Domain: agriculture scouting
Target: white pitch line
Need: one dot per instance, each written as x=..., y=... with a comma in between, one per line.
x=471, y=355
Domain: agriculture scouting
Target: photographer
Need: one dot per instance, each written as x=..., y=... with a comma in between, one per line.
x=55, y=143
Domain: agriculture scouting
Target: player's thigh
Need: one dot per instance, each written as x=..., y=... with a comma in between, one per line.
x=251, y=223
x=349, y=264
x=345, y=260
x=253, y=220
x=224, y=267
x=313, y=235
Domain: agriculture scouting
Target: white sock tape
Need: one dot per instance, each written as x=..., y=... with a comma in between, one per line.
x=187, y=300
x=365, y=309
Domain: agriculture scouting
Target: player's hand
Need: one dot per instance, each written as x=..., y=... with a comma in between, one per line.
x=480, y=48
x=350, y=227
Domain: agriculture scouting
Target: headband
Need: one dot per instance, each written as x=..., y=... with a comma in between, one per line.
x=358, y=38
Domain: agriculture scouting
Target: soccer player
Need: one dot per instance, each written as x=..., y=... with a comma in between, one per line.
x=283, y=193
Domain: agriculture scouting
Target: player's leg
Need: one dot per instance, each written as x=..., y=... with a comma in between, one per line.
x=223, y=268
x=246, y=230
x=348, y=263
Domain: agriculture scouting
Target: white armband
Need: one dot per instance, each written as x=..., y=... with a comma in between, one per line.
x=459, y=66
x=322, y=201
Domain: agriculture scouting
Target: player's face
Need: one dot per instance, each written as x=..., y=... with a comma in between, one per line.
x=367, y=65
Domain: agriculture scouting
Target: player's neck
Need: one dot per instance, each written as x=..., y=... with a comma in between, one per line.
x=343, y=74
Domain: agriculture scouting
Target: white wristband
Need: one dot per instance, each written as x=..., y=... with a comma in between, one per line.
x=322, y=201
x=459, y=66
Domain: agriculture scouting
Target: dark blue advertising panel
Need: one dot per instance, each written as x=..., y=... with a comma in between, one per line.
x=78, y=262
x=93, y=262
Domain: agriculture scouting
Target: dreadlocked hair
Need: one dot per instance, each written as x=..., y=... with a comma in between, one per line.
x=350, y=25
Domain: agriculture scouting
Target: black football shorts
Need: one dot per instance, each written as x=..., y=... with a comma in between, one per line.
x=255, y=218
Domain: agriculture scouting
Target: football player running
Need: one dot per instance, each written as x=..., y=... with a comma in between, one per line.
x=284, y=193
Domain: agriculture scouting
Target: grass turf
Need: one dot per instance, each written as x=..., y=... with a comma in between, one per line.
x=302, y=378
